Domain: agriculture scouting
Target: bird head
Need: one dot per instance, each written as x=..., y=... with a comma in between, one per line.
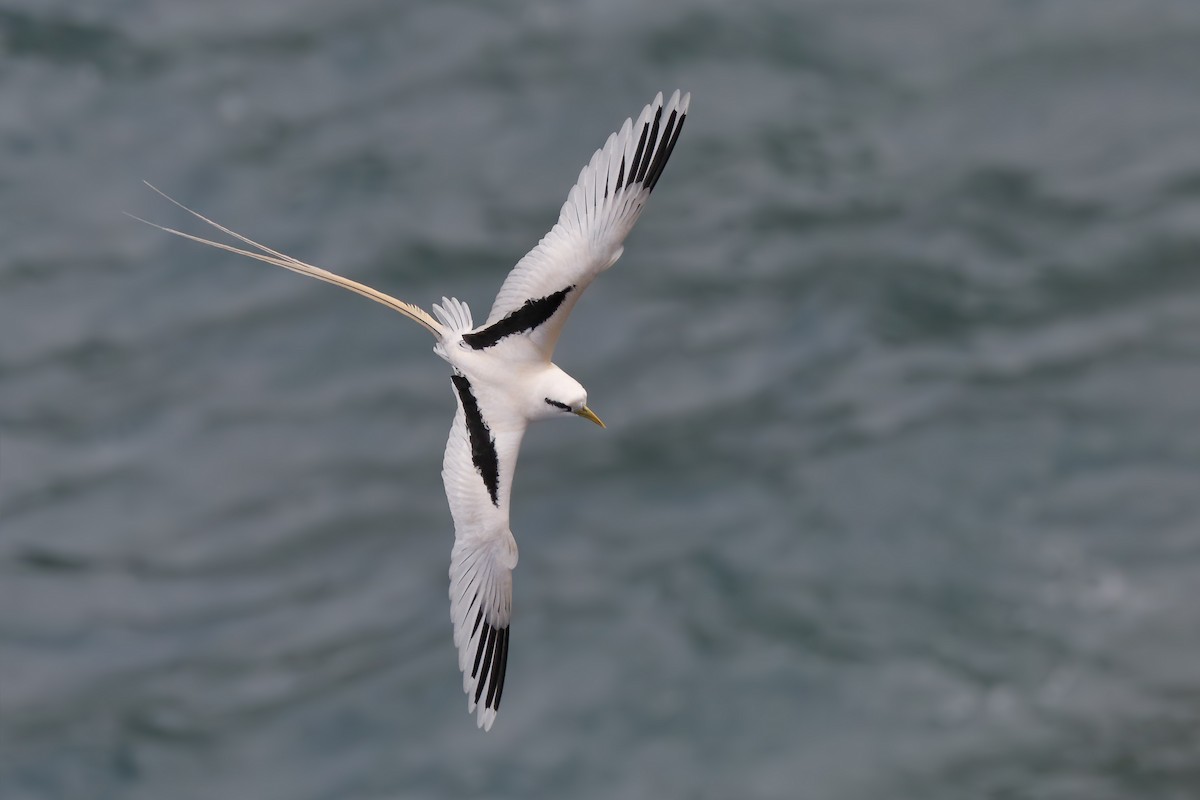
x=560, y=394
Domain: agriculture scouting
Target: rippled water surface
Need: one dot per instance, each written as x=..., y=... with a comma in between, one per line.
x=899, y=494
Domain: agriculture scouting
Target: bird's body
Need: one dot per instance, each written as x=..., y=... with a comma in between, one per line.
x=503, y=377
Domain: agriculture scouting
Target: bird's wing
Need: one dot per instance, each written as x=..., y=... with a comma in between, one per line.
x=600, y=210
x=481, y=455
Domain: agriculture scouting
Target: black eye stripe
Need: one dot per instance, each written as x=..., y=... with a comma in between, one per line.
x=557, y=404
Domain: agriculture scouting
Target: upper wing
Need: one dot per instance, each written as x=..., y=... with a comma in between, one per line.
x=481, y=455
x=600, y=210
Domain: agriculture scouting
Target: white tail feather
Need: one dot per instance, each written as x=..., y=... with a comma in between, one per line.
x=454, y=314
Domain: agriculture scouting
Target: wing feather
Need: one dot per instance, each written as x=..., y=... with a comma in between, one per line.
x=484, y=552
x=598, y=214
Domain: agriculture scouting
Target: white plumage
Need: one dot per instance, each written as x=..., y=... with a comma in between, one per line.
x=503, y=377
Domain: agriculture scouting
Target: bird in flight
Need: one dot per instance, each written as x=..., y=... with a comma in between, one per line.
x=503, y=377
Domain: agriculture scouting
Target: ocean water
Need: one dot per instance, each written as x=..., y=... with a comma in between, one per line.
x=901, y=367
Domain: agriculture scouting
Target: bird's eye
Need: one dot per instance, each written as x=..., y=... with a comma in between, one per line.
x=557, y=404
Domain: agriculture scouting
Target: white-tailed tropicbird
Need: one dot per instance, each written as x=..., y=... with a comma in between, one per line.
x=504, y=379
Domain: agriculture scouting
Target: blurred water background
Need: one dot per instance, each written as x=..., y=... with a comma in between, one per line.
x=900, y=495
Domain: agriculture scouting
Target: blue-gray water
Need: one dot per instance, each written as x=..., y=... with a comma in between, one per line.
x=900, y=495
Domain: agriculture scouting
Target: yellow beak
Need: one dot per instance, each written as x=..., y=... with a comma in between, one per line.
x=587, y=413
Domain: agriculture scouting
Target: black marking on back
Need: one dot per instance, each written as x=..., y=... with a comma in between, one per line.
x=492, y=656
x=557, y=404
x=532, y=314
x=483, y=445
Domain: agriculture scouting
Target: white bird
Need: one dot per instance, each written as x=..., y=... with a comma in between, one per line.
x=504, y=378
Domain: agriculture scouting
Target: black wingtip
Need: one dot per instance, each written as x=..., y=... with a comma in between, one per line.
x=499, y=659
x=664, y=151
x=637, y=154
x=503, y=670
x=650, y=143
x=653, y=151
x=492, y=656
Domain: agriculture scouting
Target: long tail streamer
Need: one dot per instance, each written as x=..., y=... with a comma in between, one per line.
x=270, y=256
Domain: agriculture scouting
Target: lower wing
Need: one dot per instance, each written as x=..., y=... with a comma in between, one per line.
x=477, y=471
